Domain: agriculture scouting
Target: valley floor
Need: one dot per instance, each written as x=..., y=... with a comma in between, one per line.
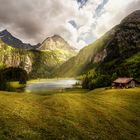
x=72, y=115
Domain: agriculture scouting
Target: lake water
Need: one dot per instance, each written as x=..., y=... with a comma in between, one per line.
x=44, y=85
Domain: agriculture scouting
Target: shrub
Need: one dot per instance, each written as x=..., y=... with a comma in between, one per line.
x=90, y=82
x=12, y=74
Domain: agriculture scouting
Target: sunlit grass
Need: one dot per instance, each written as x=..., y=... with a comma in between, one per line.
x=15, y=84
x=73, y=114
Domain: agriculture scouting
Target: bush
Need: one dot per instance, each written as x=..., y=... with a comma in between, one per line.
x=90, y=82
x=12, y=74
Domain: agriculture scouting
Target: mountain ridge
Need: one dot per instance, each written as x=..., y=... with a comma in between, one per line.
x=9, y=39
x=106, y=53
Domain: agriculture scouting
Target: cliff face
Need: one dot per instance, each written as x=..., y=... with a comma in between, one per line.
x=112, y=49
x=10, y=56
x=39, y=60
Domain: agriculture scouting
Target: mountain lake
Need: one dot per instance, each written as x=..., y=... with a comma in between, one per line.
x=50, y=85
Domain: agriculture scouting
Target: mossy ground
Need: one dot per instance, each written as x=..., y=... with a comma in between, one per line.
x=101, y=114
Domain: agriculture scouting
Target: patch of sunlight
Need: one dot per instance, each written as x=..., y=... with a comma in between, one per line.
x=15, y=84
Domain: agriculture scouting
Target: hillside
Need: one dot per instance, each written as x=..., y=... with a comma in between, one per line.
x=39, y=60
x=72, y=115
x=109, y=54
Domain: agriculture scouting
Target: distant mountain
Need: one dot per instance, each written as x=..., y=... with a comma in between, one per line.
x=9, y=39
x=58, y=45
x=118, y=51
x=39, y=60
x=55, y=42
x=53, y=52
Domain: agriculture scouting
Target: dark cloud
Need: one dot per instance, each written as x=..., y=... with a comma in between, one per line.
x=99, y=9
x=30, y=19
x=21, y=17
x=73, y=23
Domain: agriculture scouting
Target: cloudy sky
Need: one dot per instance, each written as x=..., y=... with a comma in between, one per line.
x=80, y=22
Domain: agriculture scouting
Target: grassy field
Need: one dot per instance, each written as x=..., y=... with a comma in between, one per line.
x=72, y=115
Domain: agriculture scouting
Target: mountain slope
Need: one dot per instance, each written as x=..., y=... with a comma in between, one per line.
x=108, y=52
x=10, y=40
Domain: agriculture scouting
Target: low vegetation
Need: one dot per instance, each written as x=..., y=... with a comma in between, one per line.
x=10, y=74
x=71, y=115
x=93, y=80
x=109, y=71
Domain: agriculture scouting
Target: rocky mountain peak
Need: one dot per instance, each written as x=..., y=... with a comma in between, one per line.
x=4, y=33
x=56, y=36
x=56, y=42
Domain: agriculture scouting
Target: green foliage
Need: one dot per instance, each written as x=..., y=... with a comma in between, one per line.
x=12, y=74
x=114, y=76
x=128, y=67
x=95, y=80
x=2, y=66
x=133, y=65
x=44, y=62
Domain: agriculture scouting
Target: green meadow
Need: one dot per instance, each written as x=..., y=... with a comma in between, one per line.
x=74, y=114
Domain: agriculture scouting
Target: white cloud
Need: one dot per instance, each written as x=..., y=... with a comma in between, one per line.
x=35, y=20
x=114, y=12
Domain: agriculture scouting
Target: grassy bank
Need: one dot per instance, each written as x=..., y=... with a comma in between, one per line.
x=72, y=115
